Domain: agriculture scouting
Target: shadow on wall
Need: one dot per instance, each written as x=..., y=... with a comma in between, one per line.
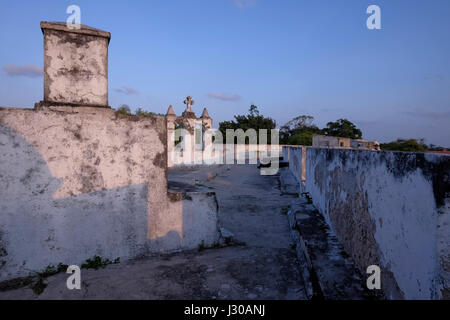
x=37, y=230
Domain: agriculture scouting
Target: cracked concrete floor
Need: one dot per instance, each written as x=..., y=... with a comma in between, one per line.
x=265, y=267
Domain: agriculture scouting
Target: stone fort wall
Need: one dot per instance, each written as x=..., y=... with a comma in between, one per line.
x=78, y=181
x=391, y=209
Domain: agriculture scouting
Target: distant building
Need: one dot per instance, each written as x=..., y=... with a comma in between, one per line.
x=364, y=144
x=320, y=141
x=330, y=142
x=440, y=150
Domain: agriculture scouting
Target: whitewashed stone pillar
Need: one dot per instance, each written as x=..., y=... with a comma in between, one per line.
x=75, y=65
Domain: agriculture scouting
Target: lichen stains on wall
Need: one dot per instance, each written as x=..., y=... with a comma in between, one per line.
x=80, y=182
x=387, y=209
x=75, y=66
x=348, y=211
x=3, y=252
x=106, y=151
x=434, y=167
x=295, y=162
x=160, y=160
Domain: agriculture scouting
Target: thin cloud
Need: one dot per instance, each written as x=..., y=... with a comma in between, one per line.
x=244, y=4
x=435, y=77
x=224, y=97
x=126, y=90
x=429, y=113
x=29, y=70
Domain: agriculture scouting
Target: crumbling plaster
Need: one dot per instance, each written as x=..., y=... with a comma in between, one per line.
x=80, y=182
x=387, y=209
x=78, y=179
x=75, y=65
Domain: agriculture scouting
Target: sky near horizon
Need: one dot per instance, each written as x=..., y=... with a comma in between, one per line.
x=288, y=57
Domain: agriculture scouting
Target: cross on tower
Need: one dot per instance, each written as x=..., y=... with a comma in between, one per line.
x=189, y=102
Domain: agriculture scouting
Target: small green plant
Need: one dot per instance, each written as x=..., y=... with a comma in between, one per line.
x=39, y=286
x=121, y=112
x=97, y=262
x=201, y=246
x=143, y=113
x=293, y=246
x=52, y=270
x=123, y=109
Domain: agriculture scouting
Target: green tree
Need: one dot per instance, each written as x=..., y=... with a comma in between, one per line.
x=342, y=128
x=411, y=145
x=124, y=109
x=253, y=120
x=299, y=131
x=143, y=113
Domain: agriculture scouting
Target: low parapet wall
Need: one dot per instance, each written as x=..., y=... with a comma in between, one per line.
x=296, y=155
x=389, y=209
x=224, y=154
x=80, y=182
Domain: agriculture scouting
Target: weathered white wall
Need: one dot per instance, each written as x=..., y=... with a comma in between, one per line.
x=188, y=151
x=79, y=182
x=220, y=154
x=390, y=209
x=330, y=142
x=285, y=152
x=297, y=161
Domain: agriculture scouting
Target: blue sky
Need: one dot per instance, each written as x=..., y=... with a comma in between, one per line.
x=289, y=57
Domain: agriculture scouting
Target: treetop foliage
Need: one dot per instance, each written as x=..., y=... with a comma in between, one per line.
x=253, y=120
x=342, y=128
x=125, y=109
x=411, y=145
